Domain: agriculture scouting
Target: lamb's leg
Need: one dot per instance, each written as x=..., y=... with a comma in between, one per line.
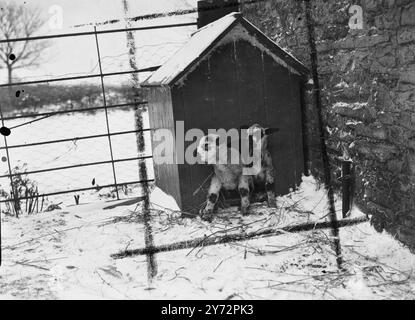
x=270, y=187
x=243, y=188
x=213, y=195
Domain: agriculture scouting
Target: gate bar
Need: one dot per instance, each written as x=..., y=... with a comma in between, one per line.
x=75, y=166
x=81, y=189
x=148, y=69
x=88, y=33
x=71, y=139
x=41, y=114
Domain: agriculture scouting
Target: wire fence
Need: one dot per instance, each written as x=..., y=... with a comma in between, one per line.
x=72, y=149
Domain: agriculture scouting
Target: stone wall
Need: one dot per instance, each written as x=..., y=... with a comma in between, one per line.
x=367, y=79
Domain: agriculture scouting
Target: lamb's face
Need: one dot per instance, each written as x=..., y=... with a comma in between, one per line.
x=208, y=148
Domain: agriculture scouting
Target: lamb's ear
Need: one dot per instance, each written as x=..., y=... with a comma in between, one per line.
x=269, y=131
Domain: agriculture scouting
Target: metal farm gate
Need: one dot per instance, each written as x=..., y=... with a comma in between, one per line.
x=15, y=193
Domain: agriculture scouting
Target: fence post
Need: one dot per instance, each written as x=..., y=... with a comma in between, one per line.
x=106, y=111
x=346, y=187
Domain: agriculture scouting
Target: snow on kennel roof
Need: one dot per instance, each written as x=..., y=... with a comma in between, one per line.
x=206, y=39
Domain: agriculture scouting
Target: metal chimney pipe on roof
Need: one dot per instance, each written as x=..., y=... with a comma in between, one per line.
x=212, y=10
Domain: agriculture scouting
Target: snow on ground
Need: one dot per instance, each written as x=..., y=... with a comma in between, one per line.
x=65, y=254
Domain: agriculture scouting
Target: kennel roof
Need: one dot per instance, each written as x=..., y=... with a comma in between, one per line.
x=232, y=27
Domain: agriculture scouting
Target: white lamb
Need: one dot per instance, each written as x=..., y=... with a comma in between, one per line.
x=227, y=174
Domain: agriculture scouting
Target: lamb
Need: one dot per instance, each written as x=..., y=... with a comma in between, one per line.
x=267, y=172
x=227, y=175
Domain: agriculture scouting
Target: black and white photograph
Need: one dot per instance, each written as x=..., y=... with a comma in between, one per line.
x=213, y=150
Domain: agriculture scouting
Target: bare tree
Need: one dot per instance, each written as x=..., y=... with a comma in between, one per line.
x=20, y=21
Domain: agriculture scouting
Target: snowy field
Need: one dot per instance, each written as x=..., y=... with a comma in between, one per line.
x=65, y=254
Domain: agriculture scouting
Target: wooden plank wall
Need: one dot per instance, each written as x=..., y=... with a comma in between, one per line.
x=161, y=117
x=193, y=104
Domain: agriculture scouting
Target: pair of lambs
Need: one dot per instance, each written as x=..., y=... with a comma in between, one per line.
x=229, y=175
